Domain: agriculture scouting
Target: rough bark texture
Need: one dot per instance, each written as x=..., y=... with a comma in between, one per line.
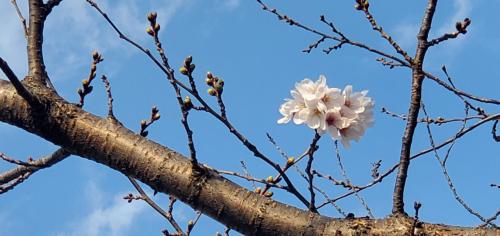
x=109, y=143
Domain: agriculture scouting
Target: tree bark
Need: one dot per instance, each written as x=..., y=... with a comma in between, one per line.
x=109, y=143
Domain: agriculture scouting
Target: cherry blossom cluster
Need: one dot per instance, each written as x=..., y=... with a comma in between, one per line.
x=345, y=115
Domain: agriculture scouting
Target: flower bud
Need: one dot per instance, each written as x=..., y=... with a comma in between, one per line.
x=191, y=67
x=209, y=81
x=219, y=86
x=152, y=16
x=154, y=109
x=157, y=27
x=89, y=89
x=187, y=103
x=258, y=190
x=183, y=70
x=209, y=75
x=156, y=116
x=270, y=179
x=95, y=55
x=188, y=60
x=212, y=92
x=143, y=123
x=190, y=225
x=290, y=161
x=268, y=194
x=150, y=31
x=85, y=83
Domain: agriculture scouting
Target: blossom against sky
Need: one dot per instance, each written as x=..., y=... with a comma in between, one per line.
x=260, y=60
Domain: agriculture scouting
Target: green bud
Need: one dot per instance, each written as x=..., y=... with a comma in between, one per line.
x=150, y=31
x=212, y=92
x=209, y=81
x=183, y=70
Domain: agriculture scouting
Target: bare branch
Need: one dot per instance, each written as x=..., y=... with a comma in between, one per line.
x=86, y=87
x=19, y=180
x=313, y=147
x=364, y=6
x=110, y=97
x=494, y=132
x=342, y=39
x=21, y=18
x=447, y=176
x=51, y=4
x=416, y=94
x=461, y=29
x=344, y=173
x=34, y=166
x=148, y=200
x=20, y=88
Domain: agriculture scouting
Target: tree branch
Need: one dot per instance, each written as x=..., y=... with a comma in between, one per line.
x=35, y=166
x=416, y=94
x=169, y=172
x=21, y=90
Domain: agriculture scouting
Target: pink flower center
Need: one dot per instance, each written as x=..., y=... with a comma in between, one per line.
x=348, y=103
x=330, y=120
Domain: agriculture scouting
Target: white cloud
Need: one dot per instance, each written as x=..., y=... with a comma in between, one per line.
x=105, y=218
x=232, y=4
x=406, y=34
x=74, y=29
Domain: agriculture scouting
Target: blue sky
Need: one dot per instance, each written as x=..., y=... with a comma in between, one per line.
x=260, y=60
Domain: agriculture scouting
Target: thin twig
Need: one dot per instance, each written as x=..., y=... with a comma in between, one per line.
x=21, y=18
x=247, y=173
x=250, y=178
x=419, y=154
x=344, y=173
x=35, y=165
x=365, y=8
x=491, y=219
x=11, y=185
x=86, y=83
x=342, y=39
x=191, y=223
x=464, y=124
x=313, y=147
x=166, y=214
x=110, y=97
x=20, y=88
x=494, y=131
x=439, y=120
x=447, y=176
x=461, y=27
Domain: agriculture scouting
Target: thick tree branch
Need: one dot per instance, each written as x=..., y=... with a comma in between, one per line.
x=416, y=94
x=111, y=144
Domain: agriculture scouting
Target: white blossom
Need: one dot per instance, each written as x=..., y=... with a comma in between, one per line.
x=345, y=115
